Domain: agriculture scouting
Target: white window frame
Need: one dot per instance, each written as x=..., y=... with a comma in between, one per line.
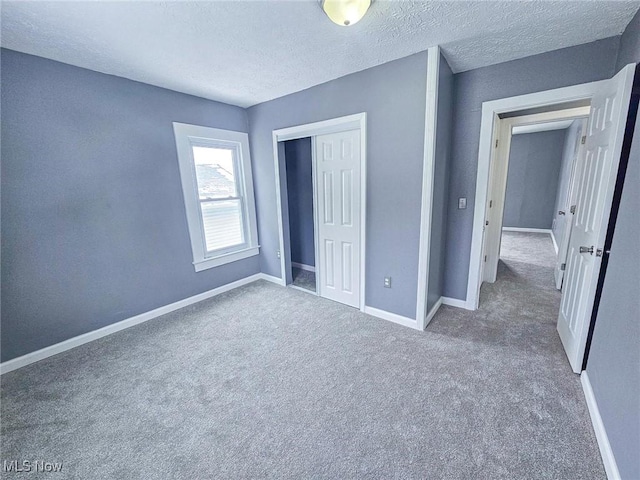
x=187, y=136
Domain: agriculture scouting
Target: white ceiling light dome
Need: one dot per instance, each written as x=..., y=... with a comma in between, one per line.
x=345, y=12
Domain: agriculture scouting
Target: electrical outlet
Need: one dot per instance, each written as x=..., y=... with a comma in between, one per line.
x=462, y=203
x=278, y=253
x=387, y=282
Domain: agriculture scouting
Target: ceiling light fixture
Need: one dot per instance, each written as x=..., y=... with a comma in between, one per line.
x=345, y=12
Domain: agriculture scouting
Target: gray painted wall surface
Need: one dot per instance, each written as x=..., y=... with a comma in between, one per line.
x=284, y=202
x=571, y=143
x=300, y=197
x=629, y=51
x=393, y=95
x=93, y=220
x=532, y=179
x=614, y=358
x=560, y=68
x=440, y=184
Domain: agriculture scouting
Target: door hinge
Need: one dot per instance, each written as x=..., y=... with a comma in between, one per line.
x=490, y=203
x=573, y=209
x=583, y=140
x=485, y=258
x=563, y=266
x=496, y=143
x=486, y=223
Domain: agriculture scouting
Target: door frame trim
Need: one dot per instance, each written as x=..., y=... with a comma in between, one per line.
x=356, y=121
x=428, y=175
x=498, y=179
x=562, y=248
x=490, y=116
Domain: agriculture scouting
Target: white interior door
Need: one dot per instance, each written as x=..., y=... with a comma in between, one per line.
x=597, y=171
x=338, y=189
x=569, y=208
x=494, y=209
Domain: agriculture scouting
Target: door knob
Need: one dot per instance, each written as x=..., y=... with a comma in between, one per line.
x=561, y=212
x=587, y=249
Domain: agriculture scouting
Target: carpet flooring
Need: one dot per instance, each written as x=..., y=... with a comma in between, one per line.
x=304, y=279
x=269, y=382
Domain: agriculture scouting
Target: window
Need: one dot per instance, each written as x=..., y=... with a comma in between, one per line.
x=215, y=169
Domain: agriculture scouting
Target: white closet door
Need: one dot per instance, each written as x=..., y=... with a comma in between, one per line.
x=339, y=223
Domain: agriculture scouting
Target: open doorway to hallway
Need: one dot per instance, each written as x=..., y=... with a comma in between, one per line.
x=596, y=170
x=539, y=172
x=531, y=174
x=540, y=192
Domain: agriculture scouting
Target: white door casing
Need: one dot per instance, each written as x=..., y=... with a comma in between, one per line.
x=338, y=189
x=597, y=170
x=497, y=186
x=490, y=111
x=567, y=208
x=495, y=200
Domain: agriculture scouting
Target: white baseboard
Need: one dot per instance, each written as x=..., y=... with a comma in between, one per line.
x=608, y=458
x=555, y=244
x=433, y=311
x=271, y=278
x=455, y=302
x=305, y=290
x=302, y=266
x=392, y=317
x=526, y=230
x=46, y=352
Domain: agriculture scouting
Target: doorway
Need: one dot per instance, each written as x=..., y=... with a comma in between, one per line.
x=540, y=190
x=524, y=176
x=333, y=213
x=596, y=171
x=299, y=185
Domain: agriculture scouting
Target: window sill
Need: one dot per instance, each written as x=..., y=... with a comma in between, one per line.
x=226, y=258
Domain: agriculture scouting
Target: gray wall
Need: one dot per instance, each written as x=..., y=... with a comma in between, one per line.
x=393, y=95
x=614, y=358
x=560, y=68
x=571, y=143
x=532, y=179
x=284, y=202
x=440, y=184
x=629, y=51
x=300, y=197
x=93, y=220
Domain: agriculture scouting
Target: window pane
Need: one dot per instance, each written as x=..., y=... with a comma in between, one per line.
x=222, y=222
x=215, y=172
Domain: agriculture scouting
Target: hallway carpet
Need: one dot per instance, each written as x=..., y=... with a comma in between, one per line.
x=270, y=382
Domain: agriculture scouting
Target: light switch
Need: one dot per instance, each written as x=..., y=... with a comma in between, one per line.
x=462, y=203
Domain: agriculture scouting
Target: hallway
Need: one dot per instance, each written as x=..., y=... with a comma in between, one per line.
x=521, y=307
x=528, y=249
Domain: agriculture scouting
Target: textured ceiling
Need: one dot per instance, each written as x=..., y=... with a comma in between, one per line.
x=244, y=53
